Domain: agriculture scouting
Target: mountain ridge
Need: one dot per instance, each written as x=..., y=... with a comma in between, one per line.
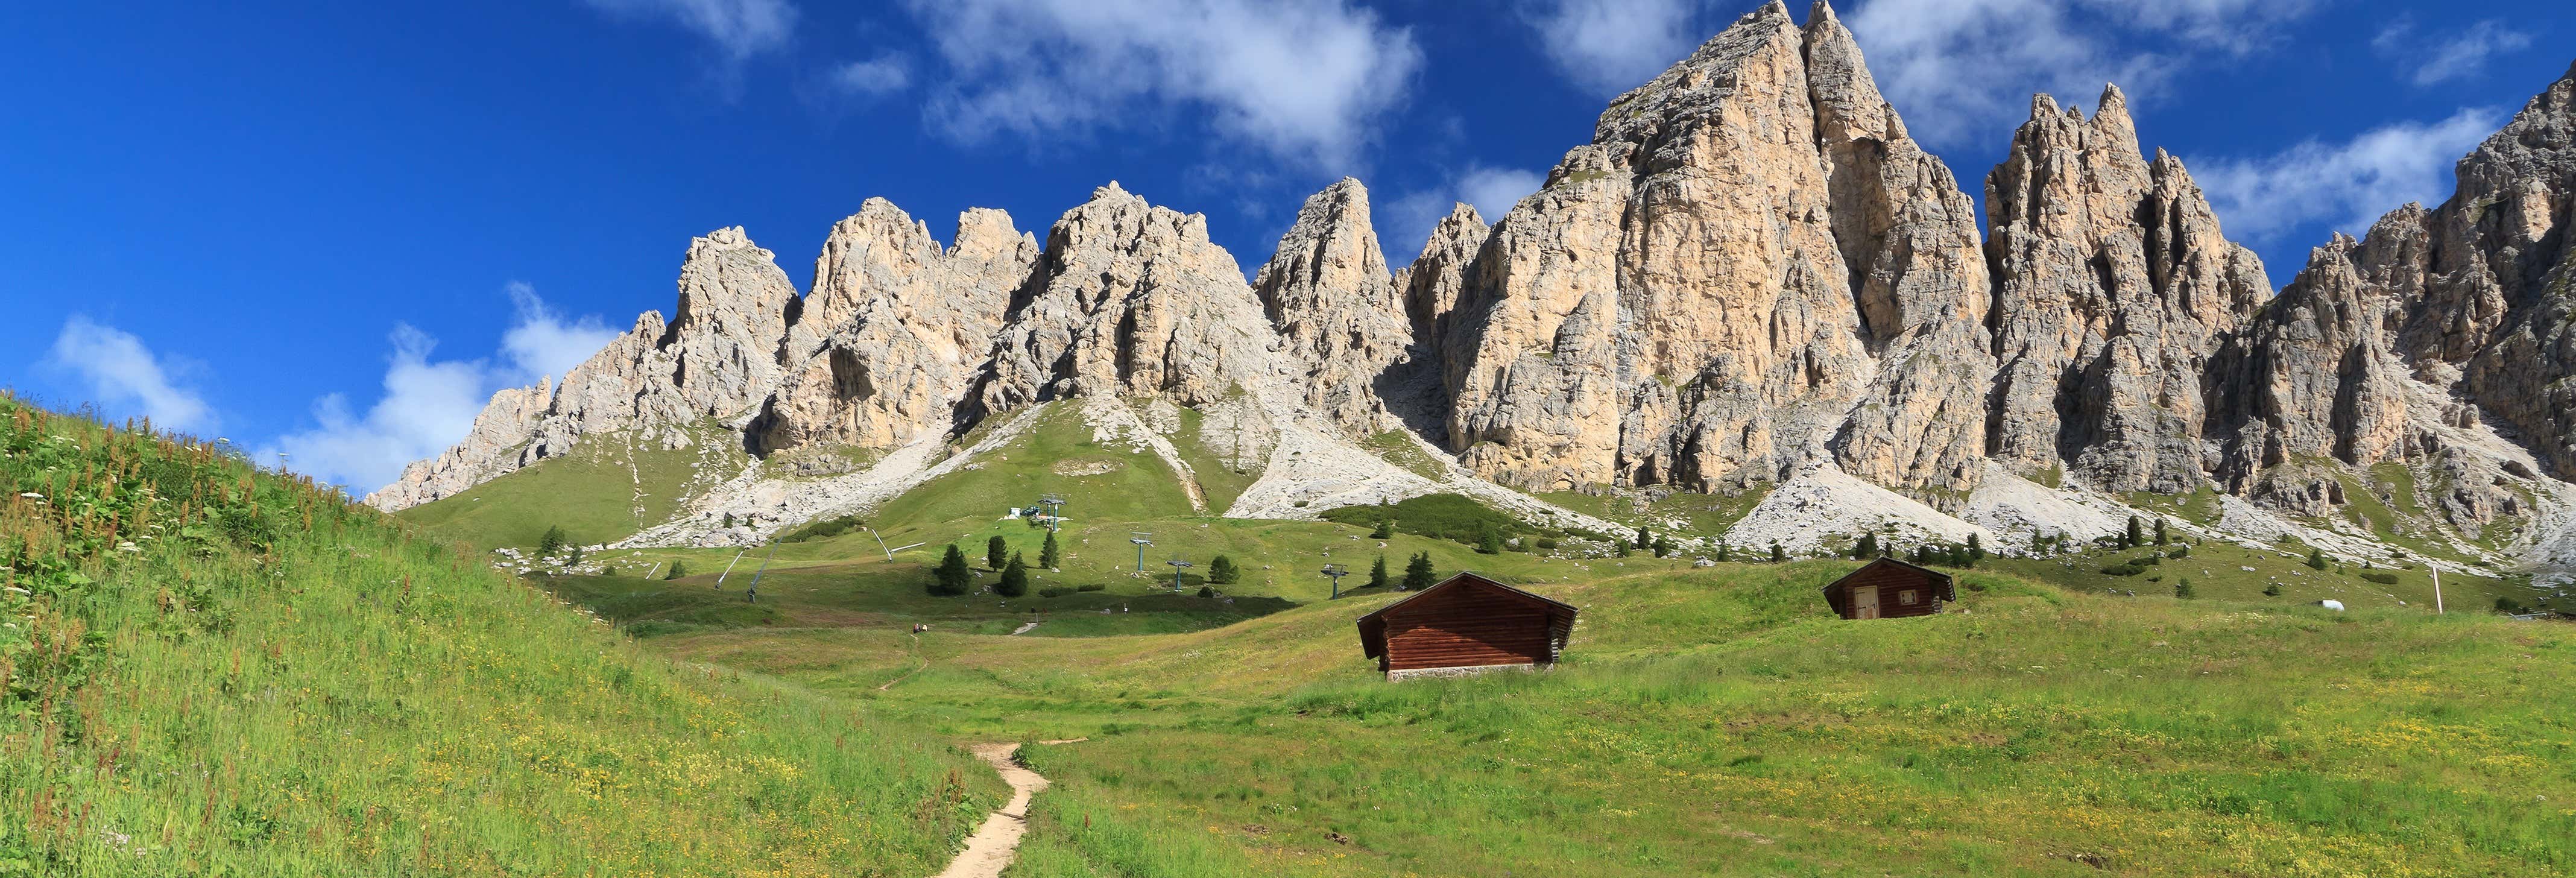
x=1751, y=277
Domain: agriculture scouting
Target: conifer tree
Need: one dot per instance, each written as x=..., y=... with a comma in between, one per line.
x=678, y=569
x=1664, y=545
x=996, y=552
x=1866, y=548
x=1725, y=552
x=1490, y=540
x=2160, y=531
x=1976, y=549
x=1385, y=529
x=1418, y=574
x=1377, y=574
x=1777, y=555
x=552, y=542
x=2183, y=589
x=952, y=576
x=1015, y=578
x=1049, y=556
x=1221, y=571
x=2134, y=536
x=2317, y=558
x=1643, y=539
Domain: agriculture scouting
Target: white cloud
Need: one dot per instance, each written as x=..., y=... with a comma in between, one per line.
x=541, y=343
x=738, y=28
x=426, y=407
x=1610, y=46
x=1302, y=79
x=875, y=77
x=1405, y=222
x=121, y=372
x=2349, y=184
x=429, y=404
x=2461, y=56
x=1962, y=70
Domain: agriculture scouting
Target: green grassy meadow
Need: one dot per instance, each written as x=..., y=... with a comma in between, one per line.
x=212, y=670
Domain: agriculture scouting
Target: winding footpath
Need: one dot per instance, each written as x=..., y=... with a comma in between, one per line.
x=991, y=848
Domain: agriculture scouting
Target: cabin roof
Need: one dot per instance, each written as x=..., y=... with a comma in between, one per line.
x=1373, y=626
x=1834, y=590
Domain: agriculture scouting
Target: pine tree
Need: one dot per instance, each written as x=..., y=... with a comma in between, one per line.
x=728, y=520
x=1490, y=540
x=2160, y=531
x=1049, y=556
x=2183, y=590
x=952, y=576
x=1385, y=529
x=1377, y=573
x=1976, y=549
x=996, y=552
x=1015, y=578
x=1958, y=555
x=1207, y=591
x=1623, y=548
x=1222, y=572
x=1643, y=539
x=1777, y=555
x=2317, y=558
x=1725, y=552
x=552, y=542
x=1867, y=548
x=2134, y=536
x=678, y=569
x=2273, y=590
x=1418, y=574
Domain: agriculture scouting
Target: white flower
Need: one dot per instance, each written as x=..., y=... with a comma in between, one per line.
x=128, y=546
x=31, y=495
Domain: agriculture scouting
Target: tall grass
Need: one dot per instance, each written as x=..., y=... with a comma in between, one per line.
x=210, y=669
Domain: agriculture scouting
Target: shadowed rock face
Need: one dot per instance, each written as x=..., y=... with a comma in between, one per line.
x=1328, y=294
x=2113, y=289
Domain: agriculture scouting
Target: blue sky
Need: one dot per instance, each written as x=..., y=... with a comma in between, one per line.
x=333, y=229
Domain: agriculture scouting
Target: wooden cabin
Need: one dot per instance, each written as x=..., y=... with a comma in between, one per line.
x=1888, y=589
x=1465, y=624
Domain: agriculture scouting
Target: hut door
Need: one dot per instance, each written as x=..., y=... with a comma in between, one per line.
x=1864, y=601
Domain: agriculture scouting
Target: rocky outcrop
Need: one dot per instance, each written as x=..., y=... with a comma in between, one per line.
x=889, y=341
x=492, y=449
x=1329, y=295
x=1131, y=300
x=2113, y=289
x=1733, y=280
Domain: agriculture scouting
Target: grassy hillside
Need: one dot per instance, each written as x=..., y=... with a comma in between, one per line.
x=212, y=670
x=607, y=488
x=1719, y=721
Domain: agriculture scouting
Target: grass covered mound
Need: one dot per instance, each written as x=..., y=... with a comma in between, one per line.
x=208, y=669
x=1438, y=516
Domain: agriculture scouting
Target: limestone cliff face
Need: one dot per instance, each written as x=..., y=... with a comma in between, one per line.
x=2468, y=302
x=1732, y=280
x=889, y=341
x=1328, y=293
x=2497, y=275
x=1131, y=300
x=2114, y=288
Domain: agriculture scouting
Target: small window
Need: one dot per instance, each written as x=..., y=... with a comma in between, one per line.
x=1906, y=597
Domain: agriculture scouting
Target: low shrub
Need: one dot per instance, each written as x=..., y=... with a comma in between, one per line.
x=825, y=528
x=2381, y=578
x=1090, y=587
x=2123, y=570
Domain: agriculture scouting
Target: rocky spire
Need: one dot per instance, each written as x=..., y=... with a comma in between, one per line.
x=888, y=342
x=732, y=318
x=1131, y=299
x=2113, y=288
x=1328, y=292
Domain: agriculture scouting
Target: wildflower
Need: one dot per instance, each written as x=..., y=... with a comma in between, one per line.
x=128, y=546
x=31, y=495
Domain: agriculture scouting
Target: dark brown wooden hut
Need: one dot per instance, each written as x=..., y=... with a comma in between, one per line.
x=1887, y=589
x=1466, y=623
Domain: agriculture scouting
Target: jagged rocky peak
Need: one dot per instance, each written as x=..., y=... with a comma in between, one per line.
x=1328, y=292
x=2114, y=287
x=1751, y=269
x=724, y=338
x=1433, y=282
x=888, y=342
x=1131, y=300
